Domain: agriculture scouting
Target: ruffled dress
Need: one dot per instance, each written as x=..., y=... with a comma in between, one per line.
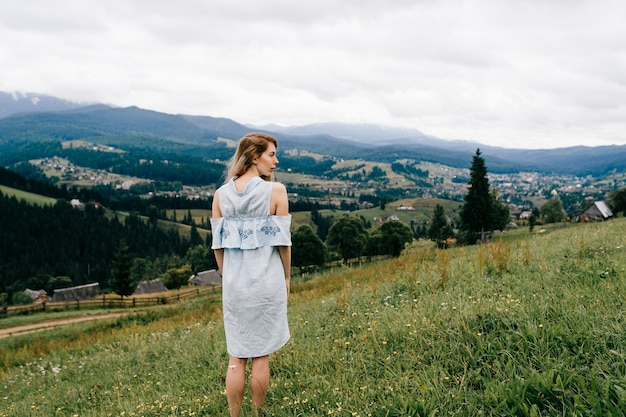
x=254, y=295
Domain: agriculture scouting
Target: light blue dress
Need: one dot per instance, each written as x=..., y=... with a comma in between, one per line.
x=254, y=295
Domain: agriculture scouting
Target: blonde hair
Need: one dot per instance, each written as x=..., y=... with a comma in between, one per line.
x=250, y=146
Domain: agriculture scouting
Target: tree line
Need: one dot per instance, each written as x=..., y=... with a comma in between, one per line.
x=39, y=244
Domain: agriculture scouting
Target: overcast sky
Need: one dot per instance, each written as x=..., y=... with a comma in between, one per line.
x=516, y=74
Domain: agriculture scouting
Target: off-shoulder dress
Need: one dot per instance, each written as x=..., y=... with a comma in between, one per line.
x=254, y=295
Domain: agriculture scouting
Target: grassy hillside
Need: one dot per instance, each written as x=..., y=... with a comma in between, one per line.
x=30, y=198
x=533, y=326
x=183, y=230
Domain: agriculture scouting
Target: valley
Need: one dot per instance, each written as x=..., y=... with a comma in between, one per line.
x=146, y=180
x=347, y=183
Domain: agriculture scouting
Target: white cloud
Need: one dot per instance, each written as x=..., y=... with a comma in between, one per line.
x=507, y=73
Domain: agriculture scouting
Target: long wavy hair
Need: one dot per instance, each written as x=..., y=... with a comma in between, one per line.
x=250, y=146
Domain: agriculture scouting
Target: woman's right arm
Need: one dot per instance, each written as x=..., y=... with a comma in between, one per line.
x=216, y=213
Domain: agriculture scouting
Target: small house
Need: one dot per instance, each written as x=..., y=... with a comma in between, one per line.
x=80, y=292
x=150, y=286
x=597, y=212
x=37, y=296
x=210, y=277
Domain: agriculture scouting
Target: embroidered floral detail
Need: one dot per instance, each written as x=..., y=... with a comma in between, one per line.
x=270, y=230
x=251, y=233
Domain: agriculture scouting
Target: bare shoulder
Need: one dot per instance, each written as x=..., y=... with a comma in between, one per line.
x=216, y=212
x=279, y=201
x=279, y=187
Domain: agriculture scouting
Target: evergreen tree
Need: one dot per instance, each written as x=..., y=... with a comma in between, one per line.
x=152, y=212
x=122, y=263
x=500, y=213
x=532, y=220
x=439, y=229
x=348, y=237
x=323, y=223
x=308, y=249
x=195, y=238
x=476, y=213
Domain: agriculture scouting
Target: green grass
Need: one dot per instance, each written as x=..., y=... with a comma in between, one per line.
x=18, y=320
x=30, y=198
x=423, y=209
x=533, y=326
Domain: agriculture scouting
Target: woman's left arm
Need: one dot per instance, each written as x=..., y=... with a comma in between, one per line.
x=280, y=207
x=285, y=257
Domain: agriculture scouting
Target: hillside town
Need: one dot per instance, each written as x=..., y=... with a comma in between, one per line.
x=522, y=191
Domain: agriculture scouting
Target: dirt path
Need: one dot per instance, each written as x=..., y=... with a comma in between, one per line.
x=53, y=324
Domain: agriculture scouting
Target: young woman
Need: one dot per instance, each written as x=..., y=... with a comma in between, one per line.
x=252, y=245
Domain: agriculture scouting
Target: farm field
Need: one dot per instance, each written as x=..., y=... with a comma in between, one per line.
x=530, y=325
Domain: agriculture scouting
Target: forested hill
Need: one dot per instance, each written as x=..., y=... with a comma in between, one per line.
x=40, y=243
x=133, y=128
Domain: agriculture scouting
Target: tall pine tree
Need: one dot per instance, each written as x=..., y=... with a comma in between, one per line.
x=476, y=214
x=439, y=229
x=122, y=263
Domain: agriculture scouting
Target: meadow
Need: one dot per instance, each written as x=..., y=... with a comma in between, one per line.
x=530, y=325
x=26, y=196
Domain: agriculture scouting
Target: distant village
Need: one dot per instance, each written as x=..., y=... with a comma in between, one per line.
x=521, y=191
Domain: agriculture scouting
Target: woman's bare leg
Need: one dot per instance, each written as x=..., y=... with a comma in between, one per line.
x=259, y=381
x=235, y=384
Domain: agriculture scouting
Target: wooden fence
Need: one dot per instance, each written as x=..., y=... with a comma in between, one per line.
x=107, y=301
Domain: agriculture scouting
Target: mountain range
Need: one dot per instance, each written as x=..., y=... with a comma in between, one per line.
x=26, y=118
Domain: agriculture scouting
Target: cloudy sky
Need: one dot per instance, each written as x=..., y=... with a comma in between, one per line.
x=510, y=73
